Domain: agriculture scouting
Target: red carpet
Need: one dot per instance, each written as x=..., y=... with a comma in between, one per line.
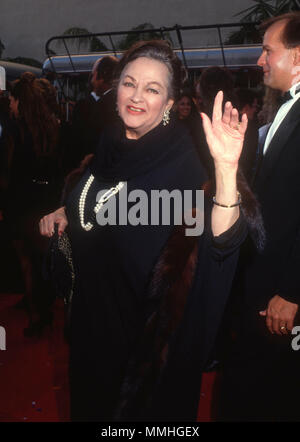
x=207, y=402
x=34, y=371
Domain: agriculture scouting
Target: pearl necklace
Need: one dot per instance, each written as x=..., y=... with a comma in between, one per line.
x=105, y=197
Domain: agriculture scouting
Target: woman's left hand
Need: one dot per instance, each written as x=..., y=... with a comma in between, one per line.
x=225, y=133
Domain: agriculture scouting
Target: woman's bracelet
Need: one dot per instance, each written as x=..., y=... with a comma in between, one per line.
x=238, y=203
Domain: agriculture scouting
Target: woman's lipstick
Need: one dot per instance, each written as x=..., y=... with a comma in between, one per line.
x=133, y=110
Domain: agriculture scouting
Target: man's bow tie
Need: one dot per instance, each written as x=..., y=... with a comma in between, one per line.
x=287, y=96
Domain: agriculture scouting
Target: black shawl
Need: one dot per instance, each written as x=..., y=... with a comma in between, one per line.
x=186, y=299
x=120, y=158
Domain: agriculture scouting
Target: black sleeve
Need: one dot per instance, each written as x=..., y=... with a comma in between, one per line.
x=228, y=242
x=234, y=236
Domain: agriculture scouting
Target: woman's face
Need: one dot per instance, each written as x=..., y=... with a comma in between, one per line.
x=184, y=107
x=14, y=106
x=143, y=96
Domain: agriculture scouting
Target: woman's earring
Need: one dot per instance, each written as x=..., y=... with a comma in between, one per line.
x=166, y=117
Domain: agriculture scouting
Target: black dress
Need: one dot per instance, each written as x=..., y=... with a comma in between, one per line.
x=34, y=183
x=114, y=264
x=33, y=189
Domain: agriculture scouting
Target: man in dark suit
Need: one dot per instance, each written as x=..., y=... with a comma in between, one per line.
x=261, y=370
x=92, y=114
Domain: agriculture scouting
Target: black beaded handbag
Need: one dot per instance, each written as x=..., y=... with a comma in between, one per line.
x=59, y=268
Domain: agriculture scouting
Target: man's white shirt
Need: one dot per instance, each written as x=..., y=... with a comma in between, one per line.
x=96, y=97
x=281, y=114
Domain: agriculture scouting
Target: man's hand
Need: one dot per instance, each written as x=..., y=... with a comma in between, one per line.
x=280, y=315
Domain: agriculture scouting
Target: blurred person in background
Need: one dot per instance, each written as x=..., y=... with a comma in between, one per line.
x=211, y=81
x=270, y=105
x=249, y=104
x=33, y=181
x=50, y=95
x=197, y=96
x=92, y=115
x=186, y=111
x=5, y=144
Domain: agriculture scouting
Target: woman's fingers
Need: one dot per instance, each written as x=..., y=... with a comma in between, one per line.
x=230, y=115
x=225, y=133
x=61, y=225
x=217, y=111
x=231, y=118
x=206, y=123
x=47, y=223
x=234, y=119
x=235, y=122
x=61, y=220
x=244, y=123
x=227, y=113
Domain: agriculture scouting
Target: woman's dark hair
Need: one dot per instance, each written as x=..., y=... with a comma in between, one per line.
x=159, y=50
x=246, y=96
x=35, y=114
x=185, y=93
x=50, y=95
x=212, y=80
x=290, y=35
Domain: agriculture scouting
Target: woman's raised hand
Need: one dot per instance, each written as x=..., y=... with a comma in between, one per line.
x=225, y=133
x=48, y=222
